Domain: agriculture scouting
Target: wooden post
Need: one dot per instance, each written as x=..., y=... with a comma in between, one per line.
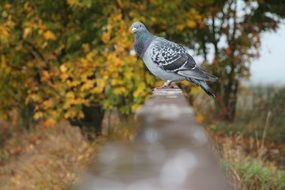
x=171, y=152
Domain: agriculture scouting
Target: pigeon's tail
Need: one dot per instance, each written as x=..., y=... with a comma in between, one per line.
x=204, y=86
x=199, y=74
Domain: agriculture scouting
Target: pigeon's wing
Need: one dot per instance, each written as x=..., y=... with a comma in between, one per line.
x=170, y=56
x=173, y=57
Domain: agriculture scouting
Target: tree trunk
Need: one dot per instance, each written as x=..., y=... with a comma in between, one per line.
x=227, y=99
x=26, y=116
x=91, y=124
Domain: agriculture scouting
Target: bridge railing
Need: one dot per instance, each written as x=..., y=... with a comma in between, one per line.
x=170, y=152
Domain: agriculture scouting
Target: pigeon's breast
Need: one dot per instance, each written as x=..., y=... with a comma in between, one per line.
x=156, y=70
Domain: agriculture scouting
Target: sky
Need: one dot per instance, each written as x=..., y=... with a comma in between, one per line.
x=269, y=68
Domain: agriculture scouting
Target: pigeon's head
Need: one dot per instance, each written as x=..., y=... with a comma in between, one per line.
x=138, y=27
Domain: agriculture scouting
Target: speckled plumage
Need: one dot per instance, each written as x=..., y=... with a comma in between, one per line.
x=170, y=56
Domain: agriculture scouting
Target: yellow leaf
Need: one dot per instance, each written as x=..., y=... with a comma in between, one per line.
x=73, y=83
x=120, y=91
x=27, y=32
x=38, y=115
x=196, y=90
x=87, y=85
x=4, y=33
x=49, y=123
x=78, y=101
x=140, y=91
x=101, y=82
x=72, y=113
x=63, y=68
x=191, y=24
x=72, y=2
x=70, y=95
x=47, y=103
x=45, y=75
x=199, y=118
x=105, y=37
x=64, y=76
x=100, y=85
x=117, y=17
x=180, y=27
x=135, y=107
x=8, y=6
x=49, y=35
x=34, y=97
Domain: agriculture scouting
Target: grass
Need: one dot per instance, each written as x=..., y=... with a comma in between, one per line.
x=252, y=148
x=251, y=164
x=253, y=174
x=261, y=109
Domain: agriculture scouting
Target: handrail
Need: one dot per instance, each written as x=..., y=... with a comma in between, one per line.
x=170, y=152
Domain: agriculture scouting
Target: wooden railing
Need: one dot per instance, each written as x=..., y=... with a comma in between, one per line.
x=171, y=152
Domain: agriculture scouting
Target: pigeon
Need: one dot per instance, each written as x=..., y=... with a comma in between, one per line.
x=168, y=60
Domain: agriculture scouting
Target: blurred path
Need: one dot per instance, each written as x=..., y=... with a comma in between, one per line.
x=171, y=152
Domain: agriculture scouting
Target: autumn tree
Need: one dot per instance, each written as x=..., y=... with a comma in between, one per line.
x=233, y=36
x=61, y=58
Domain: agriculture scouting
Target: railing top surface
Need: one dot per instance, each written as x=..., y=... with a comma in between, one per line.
x=171, y=152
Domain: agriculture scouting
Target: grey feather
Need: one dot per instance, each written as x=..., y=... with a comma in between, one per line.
x=168, y=60
x=204, y=86
x=197, y=73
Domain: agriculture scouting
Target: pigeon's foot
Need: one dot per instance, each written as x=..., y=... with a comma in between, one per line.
x=161, y=87
x=168, y=84
x=172, y=85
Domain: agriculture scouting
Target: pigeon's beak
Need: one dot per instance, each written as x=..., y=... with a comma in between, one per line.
x=134, y=29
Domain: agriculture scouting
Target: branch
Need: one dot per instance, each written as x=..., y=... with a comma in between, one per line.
x=36, y=53
x=215, y=41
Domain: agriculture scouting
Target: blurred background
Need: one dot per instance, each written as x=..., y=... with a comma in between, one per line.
x=69, y=82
